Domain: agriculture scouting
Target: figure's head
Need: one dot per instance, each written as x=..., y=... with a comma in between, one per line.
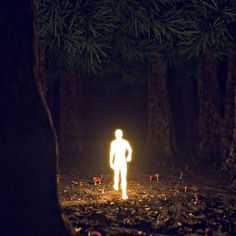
x=118, y=133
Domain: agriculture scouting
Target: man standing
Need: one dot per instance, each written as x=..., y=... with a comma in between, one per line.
x=118, y=161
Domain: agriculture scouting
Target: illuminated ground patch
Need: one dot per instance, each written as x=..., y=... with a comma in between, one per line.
x=154, y=207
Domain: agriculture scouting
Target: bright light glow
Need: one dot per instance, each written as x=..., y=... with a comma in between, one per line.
x=118, y=161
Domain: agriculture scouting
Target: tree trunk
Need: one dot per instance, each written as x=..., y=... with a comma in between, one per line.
x=227, y=131
x=159, y=144
x=189, y=108
x=29, y=203
x=231, y=157
x=209, y=122
x=80, y=90
x=41, y=73
x=69, y=124
x=41, y=82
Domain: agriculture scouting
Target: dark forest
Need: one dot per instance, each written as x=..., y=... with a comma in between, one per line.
x=76, y=75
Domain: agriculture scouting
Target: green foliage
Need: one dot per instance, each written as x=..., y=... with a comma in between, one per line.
x=77, y=31
x=166, y=22
x=208, y=27
x=129, y=42
x=85, y=33
x=147, y=28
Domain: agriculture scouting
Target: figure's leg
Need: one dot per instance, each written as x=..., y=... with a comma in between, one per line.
x=124, y=181
x=116, y=178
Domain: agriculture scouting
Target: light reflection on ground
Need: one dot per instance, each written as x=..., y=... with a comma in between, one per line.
x=153, y=206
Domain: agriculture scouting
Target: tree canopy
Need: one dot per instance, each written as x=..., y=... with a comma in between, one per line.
x=87, y=33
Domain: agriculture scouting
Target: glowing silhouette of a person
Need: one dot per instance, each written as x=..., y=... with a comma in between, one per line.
x=118, y=161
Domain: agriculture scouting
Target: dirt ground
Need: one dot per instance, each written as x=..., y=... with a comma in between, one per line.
x=179, y=202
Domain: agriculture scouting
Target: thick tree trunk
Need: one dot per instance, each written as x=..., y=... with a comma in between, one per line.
x=189, y=106
x=209, y=122
x=80, y=90
x=41, y=73
x=227, y=131
x=41, y=82
x=69, y=127
x=231, y=157
x=159, y=144
x=29, y=203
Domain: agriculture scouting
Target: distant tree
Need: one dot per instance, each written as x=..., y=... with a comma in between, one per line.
x=148, y=32
x=165, y=29
x=209, y=40
x=229, y=134
x=77, y=38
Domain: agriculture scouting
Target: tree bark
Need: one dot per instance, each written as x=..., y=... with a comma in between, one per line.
x=231, y=157
x=29, y=203
x=69, y=124
x=189, y=108
x=209, y=122
x=41, y=82
x=41, y=73
x=159, y=140
x=227, y=131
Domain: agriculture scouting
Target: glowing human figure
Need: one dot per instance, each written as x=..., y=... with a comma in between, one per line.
x=118, y=161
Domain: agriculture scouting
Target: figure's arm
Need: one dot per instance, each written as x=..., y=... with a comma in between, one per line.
x=112, y=156
x=129, y=149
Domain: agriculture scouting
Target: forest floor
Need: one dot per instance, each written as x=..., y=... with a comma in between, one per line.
x=189, y=202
